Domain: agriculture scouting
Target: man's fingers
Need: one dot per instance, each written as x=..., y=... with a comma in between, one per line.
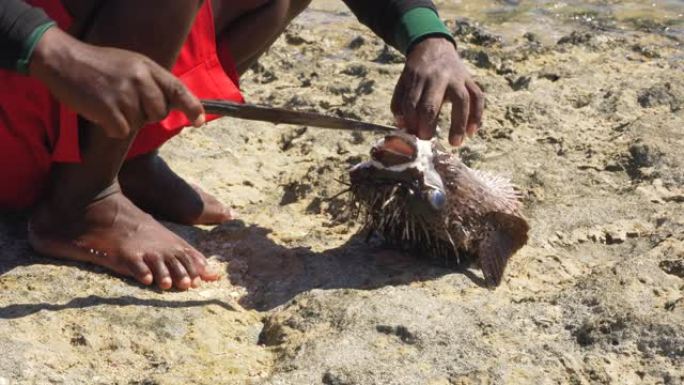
x=153, y=101
x=429, y=107
x=460, y=109
x=179, y=97
x=397, y=101
x=477, y=104
x=132, y=110
x=398, y=96
x=112, y=121
x=413, y=90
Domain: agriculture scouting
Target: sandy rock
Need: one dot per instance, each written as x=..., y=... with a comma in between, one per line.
x=584, y=117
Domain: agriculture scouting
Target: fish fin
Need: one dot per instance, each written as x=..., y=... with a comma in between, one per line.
x=500, y=187
x=505, y=234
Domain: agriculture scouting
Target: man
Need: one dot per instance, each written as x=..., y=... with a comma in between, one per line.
x=91, y=180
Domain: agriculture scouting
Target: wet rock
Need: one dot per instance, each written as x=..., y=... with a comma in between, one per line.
x=307, y=79
x=294, y=38
x=581, y=100
x=481, y=58
x=356, y=70
x=516, y=114
x=531, y=37
x=357, y=137
x=661, y=94
x=520, y=82
x=342, y=148
x=300, y=102
x=673, y=266
x=649, y=25
x=264, y=75
x=294, y=191
x=576, y=38
x=357, y=42
x=641, y=156
x=641, y=160
x=389, y=55
x=315, y=206
x=400, y=331
x=340, y=88
x=662, y=340
x=79, y=340
x=475, y=34
x=349, y=113
x=147, y=381
x=469, y=155
x=648, y=51
x=365, y=87
x=288, y=139
x=549, y=75
x=337, y=377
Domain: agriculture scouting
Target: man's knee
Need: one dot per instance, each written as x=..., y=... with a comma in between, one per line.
x=298, y=6
x=289, y=9
x=84, y=9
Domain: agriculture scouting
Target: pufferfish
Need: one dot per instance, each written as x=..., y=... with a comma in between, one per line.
x=422, y=199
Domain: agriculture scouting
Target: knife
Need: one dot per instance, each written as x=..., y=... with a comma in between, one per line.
x=280, y=115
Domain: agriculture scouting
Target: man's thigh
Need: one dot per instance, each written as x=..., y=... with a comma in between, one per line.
x=83, y=13
x=226, y=12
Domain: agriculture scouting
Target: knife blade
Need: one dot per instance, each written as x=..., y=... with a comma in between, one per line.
x=280, y=115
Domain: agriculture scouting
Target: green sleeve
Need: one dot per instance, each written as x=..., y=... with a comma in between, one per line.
x=418, y=24
x=22, y=65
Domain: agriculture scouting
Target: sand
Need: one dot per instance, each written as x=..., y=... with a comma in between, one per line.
x=587, y=123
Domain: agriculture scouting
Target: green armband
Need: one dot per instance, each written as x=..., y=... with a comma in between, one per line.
x=418, y=24
x=30, y=45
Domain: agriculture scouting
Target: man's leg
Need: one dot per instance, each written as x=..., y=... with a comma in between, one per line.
x=253, y=26
x=143, y=177
x=85, y=216
x=250, y=27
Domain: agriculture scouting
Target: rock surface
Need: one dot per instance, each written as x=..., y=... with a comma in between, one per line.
x=588, y=124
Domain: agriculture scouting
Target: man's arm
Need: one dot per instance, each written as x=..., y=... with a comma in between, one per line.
x=21, y=26
x=434, y=73
x=113, y=88
x=400, y=23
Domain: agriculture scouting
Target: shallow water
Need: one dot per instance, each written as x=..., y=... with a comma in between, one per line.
x=550, y=19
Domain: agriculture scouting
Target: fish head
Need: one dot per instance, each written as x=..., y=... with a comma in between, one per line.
x=401, y=171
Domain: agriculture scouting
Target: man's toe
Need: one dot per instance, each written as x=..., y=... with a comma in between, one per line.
x=180, y=276
x=160, y=272
x=200, y=261
x=141, y=272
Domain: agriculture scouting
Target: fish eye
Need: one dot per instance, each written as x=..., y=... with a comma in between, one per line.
x=436, y=198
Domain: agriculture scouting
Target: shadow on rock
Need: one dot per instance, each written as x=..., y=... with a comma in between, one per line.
x=15, y=249
x=273, y=274
x=23, y=310
x=16, y=252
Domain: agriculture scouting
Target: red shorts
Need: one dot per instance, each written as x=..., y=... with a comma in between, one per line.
x=36, y=131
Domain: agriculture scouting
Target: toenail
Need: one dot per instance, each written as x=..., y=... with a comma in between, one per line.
x=196, y=282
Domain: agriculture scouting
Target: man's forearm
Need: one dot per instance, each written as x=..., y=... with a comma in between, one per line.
x=400, y=23
x=21, y=26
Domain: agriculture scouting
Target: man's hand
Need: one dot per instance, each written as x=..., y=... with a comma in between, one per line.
x=434, y=74
x=116, y=89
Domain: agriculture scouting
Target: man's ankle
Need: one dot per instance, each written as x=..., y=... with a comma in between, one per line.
x=69, y=204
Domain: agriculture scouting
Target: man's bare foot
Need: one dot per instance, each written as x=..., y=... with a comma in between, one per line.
x=112, y=232
x=151, y=184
